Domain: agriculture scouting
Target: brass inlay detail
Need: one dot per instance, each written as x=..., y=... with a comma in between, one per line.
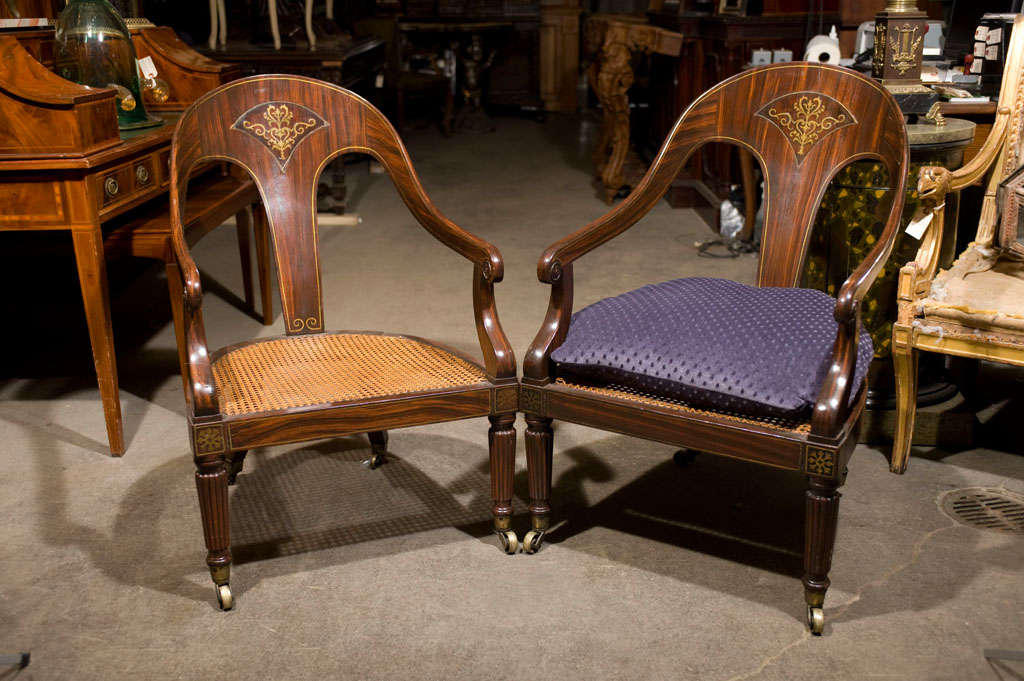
x=878, y=61
x=277, y=128
x=813, y=117
x=506, y=399
x=209, y=439
x=821, y=462
x=308, y=324
x=533, y=401
x=904, y=45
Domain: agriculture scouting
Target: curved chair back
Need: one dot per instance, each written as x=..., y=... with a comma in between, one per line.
x=803, y=122
x=284, y=130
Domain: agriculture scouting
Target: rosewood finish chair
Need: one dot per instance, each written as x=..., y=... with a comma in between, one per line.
x=974, y=309
x=310, y=383
x=773, y=375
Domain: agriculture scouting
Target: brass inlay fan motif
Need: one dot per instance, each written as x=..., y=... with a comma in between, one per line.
x=280, y=126
x=820, y=462
x=806, y=119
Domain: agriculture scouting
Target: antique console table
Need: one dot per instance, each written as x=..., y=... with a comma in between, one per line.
x=64, y=166
x=611, y=40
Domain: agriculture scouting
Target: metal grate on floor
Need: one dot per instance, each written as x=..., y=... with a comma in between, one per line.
x=985, y=508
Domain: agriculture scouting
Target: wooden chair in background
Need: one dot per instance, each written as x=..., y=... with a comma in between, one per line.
x=975, y=309
x=803, y=123
x=312, y=384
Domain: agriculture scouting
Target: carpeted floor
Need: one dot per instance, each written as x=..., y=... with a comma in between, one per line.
x=653, y=572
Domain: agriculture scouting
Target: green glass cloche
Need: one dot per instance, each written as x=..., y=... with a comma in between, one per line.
x=94, y=47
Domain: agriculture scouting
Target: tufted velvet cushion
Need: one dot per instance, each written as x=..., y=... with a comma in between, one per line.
x=712, y=343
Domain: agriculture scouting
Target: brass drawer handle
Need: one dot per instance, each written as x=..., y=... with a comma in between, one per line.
x=110, y=187
x=142, y=174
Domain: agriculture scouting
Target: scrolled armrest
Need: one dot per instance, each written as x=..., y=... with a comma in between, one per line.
x=833, y=403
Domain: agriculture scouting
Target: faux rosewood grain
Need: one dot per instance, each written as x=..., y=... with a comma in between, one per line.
x=261, y=430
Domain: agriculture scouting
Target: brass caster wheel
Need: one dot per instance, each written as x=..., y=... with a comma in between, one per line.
x=375, y=460
x=224, y=599
x=509, y=541
x=815, y=620
x=532, y=541
x=684, y=457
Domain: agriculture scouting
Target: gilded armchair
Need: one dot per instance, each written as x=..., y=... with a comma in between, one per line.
x=974, y=309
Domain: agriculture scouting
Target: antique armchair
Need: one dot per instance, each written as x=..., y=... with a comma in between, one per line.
x=974, y=309
x=773, y=375
x=309, y=383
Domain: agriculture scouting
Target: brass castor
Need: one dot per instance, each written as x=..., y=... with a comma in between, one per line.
x=684, y=457
x=375, y=460
x=532, y=541
x=815, y=620
x=509, y=541
x=224, y=599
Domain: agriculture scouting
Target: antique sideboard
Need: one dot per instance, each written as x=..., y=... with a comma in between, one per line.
x=65, y=167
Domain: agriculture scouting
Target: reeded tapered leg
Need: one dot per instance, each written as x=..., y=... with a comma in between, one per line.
x=212, y=485
x=379, y=445
x=502, y=440
x=235, y=463
x=904, y=360
x=538, y=468
x=822, y=513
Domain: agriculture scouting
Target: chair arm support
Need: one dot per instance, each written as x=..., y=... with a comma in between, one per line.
x=833, y=403
x=560, y=255
x=499, y=359
x=552, y=333
x=201, y=391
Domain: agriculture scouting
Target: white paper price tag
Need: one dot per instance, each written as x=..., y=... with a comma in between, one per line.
x=916, y=227
x=147, y=67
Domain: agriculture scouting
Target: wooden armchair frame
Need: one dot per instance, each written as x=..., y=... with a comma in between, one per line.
x=844, y=117
x=998, y=157
x=284, y=130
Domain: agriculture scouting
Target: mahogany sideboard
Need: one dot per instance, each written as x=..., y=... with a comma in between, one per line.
x=65, y=167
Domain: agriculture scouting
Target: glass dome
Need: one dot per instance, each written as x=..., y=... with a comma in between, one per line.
x=93, y=47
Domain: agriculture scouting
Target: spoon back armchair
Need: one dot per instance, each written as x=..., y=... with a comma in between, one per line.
x=310, y=383
x=772, y=375
x=974, y=309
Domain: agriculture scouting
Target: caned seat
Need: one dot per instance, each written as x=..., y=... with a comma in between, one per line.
x=306, y=371
x=771, y=374
x=310, y=384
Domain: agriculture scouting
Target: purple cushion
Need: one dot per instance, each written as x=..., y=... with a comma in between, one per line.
x=712, y=343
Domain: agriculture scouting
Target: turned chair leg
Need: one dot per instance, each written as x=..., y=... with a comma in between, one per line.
x=904, y=359
x=822, y=513
x=538, y=466
x=502, y=440
x=235, y=463
x=212, y=486
x=379, y=445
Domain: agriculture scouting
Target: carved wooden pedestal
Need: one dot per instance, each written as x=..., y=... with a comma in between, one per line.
x=611, y=40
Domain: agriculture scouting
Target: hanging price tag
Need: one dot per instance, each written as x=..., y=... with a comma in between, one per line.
x=916, y=227
x=147, y=67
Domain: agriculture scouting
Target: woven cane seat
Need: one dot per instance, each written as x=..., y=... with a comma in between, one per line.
x=303, y=371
